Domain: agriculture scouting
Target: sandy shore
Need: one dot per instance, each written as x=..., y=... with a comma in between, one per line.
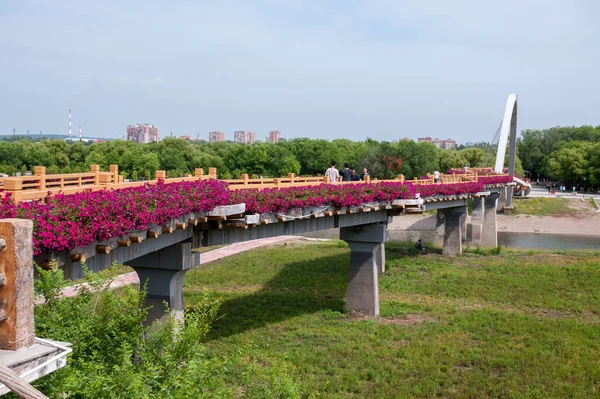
x=582, y=224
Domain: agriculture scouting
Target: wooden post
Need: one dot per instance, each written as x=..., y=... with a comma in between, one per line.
x=41, y=172
x=160, y=174
x=16, y=292
x=114, y=170
x=95, y=169
x=13, y=184
x=367, y=179
x=277, y=182
x=198, y=172
x=291, y=176
x=245, y=178
x=212, y=172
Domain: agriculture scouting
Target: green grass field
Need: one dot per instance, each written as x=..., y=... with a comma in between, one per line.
x=515, y=324
x=550, y=206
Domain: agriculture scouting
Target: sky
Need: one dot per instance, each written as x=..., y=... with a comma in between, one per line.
x=383, y=69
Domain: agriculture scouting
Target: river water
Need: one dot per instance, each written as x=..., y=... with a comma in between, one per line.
x=547, y=241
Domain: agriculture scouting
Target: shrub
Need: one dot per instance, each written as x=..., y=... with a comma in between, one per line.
x=114, y=353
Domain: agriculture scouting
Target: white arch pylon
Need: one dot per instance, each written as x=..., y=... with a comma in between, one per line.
x=509, y=126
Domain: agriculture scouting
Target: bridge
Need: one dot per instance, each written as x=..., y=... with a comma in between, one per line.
x=161, y=254
x=229, y=211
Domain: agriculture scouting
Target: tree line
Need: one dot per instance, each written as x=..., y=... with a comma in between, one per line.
x=177, y=157
x=567, y=154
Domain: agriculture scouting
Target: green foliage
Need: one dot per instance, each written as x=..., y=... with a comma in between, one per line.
x=300, y=156
x=545, y=206
x=114, y=353
x=178, y=157
x=566, y=154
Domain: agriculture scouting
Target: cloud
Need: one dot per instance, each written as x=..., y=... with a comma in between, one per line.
x=380, y=68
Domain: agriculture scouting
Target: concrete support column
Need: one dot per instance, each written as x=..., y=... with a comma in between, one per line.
x=366, y=248
x=440, y=223
x=452, y=232
x=380, y=259
x=502, y=199
x=474, y=228
x=162, y=273
x=489, y=234
x=508, y=207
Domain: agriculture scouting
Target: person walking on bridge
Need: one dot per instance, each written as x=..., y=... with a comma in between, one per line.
x=332, y=173
x=365, y=174
x=346, y=173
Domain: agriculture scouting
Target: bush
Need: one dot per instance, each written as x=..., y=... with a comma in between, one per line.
x=114, y=353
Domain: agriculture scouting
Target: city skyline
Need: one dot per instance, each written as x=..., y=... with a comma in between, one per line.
x=358, y=69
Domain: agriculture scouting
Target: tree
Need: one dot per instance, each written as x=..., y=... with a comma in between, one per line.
x=473, y=156
x=449, y=159
x=37, y=154
x=570, y=163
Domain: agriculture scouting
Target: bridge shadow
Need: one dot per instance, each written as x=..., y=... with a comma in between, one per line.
x=301, y=287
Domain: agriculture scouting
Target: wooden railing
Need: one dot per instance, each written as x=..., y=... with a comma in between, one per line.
x=37, y=186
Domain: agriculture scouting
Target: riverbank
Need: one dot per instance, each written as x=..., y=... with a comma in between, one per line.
x=571, y=224
x=575, y=224
x=579, y=218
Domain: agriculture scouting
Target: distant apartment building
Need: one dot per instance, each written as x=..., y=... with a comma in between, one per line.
x=274, y=136
x=142, y=133
x=214, y=137
x=244, y=137
x=447, y=144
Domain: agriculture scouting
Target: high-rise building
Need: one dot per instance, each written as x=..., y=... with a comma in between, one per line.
x=214, y=137
x=447, y=144
x=142, y=133
x=274, y=136
x=244, y=137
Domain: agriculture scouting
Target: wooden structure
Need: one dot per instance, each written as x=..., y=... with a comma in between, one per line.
x=40, y=184
x=23, y=357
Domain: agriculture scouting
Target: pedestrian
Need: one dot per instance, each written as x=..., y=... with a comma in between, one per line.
x=346, y=173
x=436, y=177
x=364, y=174
x=354, y=176
x=332, y=173
x=419, y=246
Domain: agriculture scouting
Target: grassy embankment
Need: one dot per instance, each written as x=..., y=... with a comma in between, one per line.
x=551, y=206
x=515, y=324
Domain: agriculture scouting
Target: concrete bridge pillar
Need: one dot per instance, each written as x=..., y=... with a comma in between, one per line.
x=454, y=220
x=162, y=273
x=474, y=228
x=380, y=259
x=502, y=198
x=508, y=206
x=489, y=234
x=440, y=223
x=367, y=257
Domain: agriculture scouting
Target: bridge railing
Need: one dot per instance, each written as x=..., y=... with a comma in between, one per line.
x=38, y=185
